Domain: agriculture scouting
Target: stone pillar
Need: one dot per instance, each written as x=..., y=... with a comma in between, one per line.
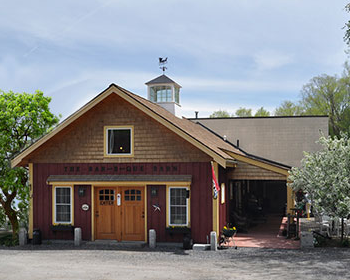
x=213, y=241
x=306, y=239
x=77, y=236
x=152, y=238
x=22, y=236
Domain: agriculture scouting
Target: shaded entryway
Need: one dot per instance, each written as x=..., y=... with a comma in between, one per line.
x=257, y=209
x=248, y=195
x=252, y=201
x=267, y=235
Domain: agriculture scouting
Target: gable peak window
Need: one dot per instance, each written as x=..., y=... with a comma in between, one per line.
x=118, y=141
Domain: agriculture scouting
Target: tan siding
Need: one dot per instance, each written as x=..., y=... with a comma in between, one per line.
x=245, y=171
x=82, y=141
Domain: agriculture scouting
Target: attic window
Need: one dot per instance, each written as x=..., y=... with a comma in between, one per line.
x=118, y=141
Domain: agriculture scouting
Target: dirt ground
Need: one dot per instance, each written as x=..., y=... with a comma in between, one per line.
x=67, y=262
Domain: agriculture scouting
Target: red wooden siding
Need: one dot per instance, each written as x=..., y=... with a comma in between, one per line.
x=201, y=195
x=155, y=219
x=82, y=218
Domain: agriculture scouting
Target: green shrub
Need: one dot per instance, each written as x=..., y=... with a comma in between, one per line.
x=7, y=240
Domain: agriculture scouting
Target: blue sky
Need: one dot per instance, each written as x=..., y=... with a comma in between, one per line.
x=225, y=54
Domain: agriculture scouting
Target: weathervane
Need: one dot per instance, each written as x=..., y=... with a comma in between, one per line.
x=162, y=62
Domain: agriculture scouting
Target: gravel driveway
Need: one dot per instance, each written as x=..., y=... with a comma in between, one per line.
x=67, y=262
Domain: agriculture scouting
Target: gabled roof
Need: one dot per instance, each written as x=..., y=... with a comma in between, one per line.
x=223, y=152
x=204, y=140
x=163, y=79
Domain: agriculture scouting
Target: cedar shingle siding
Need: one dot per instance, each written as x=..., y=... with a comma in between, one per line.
x=82, y=141
x=245, y=171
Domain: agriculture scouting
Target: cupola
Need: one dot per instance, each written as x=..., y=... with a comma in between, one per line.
x=165, y=92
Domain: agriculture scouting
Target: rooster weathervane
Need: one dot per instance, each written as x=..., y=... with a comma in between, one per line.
x=162, y=62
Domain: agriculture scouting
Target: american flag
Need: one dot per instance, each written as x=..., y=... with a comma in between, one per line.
x=216, y=187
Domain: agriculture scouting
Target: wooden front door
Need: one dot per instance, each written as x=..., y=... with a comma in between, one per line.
x=119, y=213
x=133, y=215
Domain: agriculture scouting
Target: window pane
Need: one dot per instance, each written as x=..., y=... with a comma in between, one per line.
x=62, y=195
x=119, y=141
x=162, y=93
x=63, y=204
x=177, y=95
x=62, y=213
x=153, y=94
x=178, y=206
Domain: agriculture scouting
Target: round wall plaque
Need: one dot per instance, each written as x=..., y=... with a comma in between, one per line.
x=85, y=207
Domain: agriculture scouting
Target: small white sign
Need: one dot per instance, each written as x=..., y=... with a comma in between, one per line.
x=85, y=207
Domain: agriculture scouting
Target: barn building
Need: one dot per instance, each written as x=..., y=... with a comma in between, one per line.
x=122, y=165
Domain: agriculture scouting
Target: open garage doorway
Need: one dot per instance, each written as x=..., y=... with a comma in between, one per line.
x=253, y=203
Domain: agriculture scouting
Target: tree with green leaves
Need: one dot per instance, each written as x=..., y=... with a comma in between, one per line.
x=261, y=112
x=288, y=108
x=324, y=95
x=324, y=175
x=347, y=27
x=329, y=95
x=220, y=114
x=243, y=112
x=23, y=118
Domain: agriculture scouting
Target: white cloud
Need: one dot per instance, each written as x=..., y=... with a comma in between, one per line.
x=218, y=51
x=242, y=85
x=270, y=60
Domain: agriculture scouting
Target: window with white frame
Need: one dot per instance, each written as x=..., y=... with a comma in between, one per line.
x=119, y=141
x=178, y=206
x=63, y=205
x=161, y=94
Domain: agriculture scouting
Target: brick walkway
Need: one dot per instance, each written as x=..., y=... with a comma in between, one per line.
x=267, y=235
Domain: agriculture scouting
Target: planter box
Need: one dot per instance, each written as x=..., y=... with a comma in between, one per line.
x=178, y=230
x=62, y=228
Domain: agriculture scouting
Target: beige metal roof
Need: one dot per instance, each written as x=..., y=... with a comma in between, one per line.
x=281, y=139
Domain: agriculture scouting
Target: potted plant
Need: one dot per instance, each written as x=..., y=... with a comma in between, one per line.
x=62, y=227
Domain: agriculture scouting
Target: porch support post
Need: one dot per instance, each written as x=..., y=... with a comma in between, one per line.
x=216, y=202
x=290, y=199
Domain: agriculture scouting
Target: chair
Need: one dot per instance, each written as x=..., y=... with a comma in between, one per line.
x=346, y=227
x=325, y=225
